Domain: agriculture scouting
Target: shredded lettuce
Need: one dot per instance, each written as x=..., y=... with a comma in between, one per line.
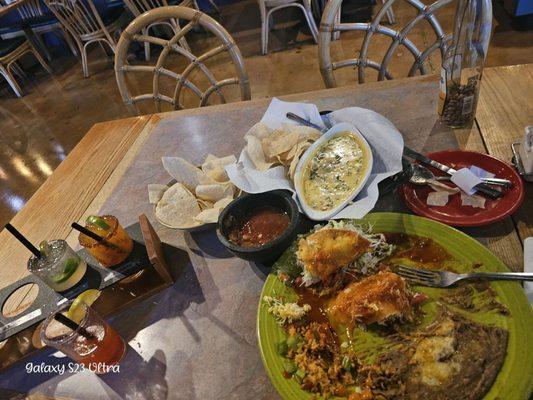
x=308, y=278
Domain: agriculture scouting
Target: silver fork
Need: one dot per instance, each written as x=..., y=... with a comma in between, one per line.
x=444, y=278
x=421, y=176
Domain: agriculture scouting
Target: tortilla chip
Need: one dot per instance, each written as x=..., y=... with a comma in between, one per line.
x=279, y=142
x=210, y=215
x=256, y=154
x=214, y=192
x=210, y=157
x=186, y=173
x=438, y=198
x=223, y=203
x=472, y=200
x=214, y=167
x=155, y=192
x=259, y=131
x=304, y=132
x=300, y=150
x=278, y=146
x=178, y=207
x=204, y=204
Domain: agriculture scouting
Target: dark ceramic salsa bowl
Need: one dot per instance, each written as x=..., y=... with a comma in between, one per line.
x=243, y=206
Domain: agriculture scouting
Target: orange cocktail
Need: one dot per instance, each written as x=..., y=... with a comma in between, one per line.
x=116, y=245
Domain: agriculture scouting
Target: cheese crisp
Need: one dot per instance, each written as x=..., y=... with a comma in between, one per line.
x=377, y=298
x=328, y=250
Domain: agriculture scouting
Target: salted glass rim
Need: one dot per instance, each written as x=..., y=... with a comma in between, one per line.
x=107, y=236
x=32, y=264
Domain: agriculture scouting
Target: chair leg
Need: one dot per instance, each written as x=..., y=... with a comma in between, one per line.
x=40, y=59
x=84, y=64
x=146, y=46
x=215, y=7
x=264, y=28
x=316, y=8
x=12, y=82
x=336, y=35
x=390, y=14
x=69, y=42
x=308, y=14
x=20, y=72
x=177, y=28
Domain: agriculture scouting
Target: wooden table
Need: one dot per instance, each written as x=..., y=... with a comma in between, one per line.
x=92, y=177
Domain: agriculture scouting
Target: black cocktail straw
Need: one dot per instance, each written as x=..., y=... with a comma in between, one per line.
x=91, y=234
x=23, y=240
x=87, y=232
x=72, y=325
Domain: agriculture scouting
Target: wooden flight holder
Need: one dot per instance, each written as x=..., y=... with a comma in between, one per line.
x=155, y=250
x=113, y=299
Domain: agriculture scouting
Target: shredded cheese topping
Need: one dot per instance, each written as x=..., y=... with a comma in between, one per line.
x=285, y=312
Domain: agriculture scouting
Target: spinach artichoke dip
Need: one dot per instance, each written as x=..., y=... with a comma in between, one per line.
x=334, y=171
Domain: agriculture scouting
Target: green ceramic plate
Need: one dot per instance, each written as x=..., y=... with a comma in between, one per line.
x=514, y=381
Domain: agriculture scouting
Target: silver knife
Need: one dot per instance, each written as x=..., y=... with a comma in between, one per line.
x=482, y=187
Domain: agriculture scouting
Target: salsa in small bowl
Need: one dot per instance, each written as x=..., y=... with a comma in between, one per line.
x=259, y=227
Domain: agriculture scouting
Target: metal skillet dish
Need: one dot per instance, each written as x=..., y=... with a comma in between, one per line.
x=513, y=379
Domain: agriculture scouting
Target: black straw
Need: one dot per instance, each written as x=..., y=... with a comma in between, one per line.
x=72, y=325
x=23, y=240
x=87, y=232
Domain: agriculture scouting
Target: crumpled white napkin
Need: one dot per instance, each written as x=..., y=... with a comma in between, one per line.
x=468, y=178
x=382, y=136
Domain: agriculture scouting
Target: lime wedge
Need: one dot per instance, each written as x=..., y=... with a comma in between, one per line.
x=44, y=248
x=97, y=221
x=70, y=267
x=76, y=312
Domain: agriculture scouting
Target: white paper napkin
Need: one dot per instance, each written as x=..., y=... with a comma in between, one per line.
x=466, y=180
x=383, y=137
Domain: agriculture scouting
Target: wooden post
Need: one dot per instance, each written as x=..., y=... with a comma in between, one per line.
x=154, y=249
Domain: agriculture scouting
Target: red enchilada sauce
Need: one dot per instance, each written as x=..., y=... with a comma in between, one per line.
x=260, y=227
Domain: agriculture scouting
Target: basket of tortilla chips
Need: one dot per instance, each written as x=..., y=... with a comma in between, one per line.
x=195, y=197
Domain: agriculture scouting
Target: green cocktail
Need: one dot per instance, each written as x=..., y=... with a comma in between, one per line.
x=59, y=266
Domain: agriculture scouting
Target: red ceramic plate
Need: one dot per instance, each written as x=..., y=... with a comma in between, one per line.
x=456, y=214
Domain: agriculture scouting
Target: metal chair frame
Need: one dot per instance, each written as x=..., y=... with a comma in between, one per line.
x=320, y=5
x=85, y=25
x=330, y=24
x=135, y=33
x=267, y=7
x=33, y=9
x=137, y=7
x=8, y=63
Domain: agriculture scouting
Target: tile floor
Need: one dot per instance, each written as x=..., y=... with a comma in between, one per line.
x=38, y=130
